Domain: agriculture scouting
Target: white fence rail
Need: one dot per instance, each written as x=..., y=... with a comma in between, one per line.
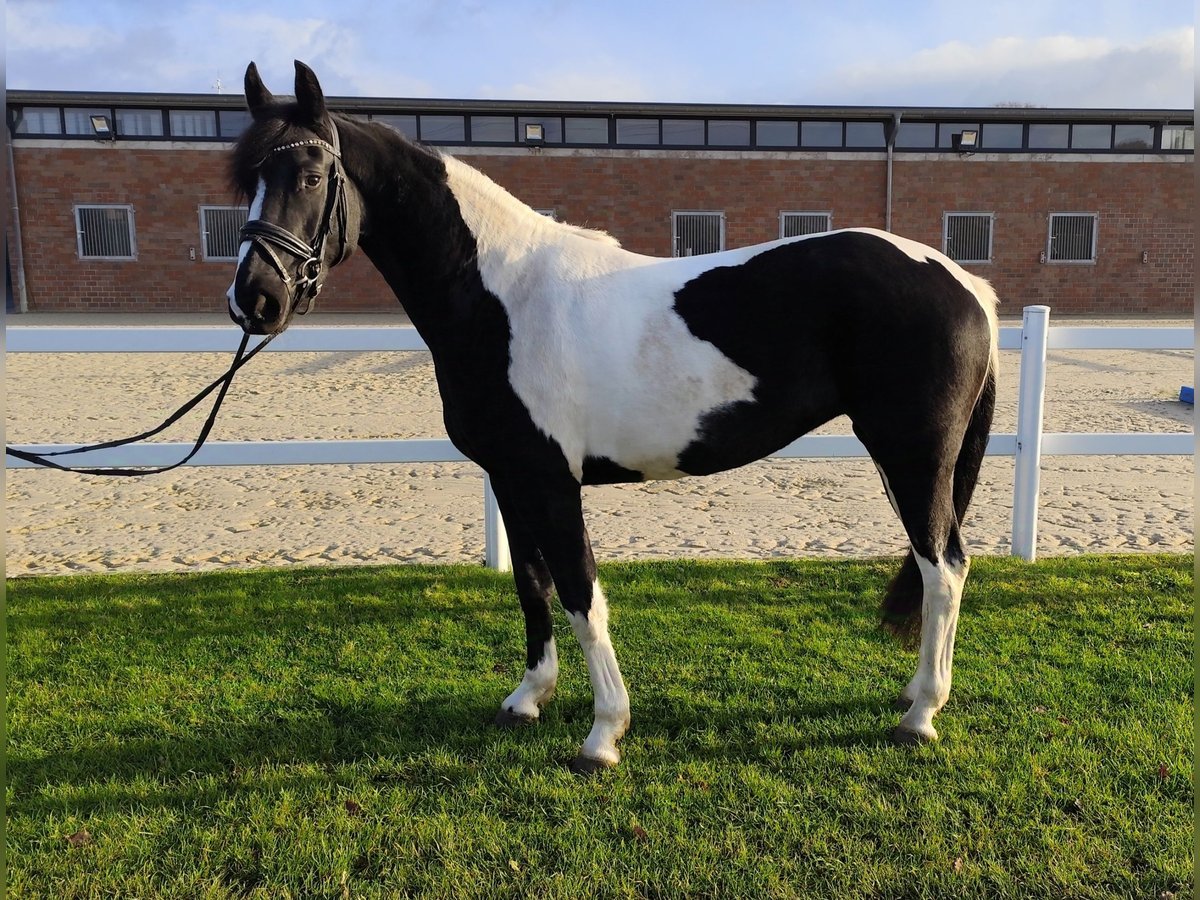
x=1026, y=446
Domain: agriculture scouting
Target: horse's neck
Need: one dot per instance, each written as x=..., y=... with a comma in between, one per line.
x=468, y=223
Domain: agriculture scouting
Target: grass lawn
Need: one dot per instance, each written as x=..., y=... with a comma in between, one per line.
x=327, y=733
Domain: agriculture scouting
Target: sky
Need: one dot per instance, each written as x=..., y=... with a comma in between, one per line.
x=1098, y=54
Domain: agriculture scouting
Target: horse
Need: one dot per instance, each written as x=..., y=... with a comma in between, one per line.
x=564, y=360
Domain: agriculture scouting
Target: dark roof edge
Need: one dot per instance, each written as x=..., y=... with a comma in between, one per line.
x=595, y=108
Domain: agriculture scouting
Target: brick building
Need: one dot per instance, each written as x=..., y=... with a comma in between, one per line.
x=124, y=203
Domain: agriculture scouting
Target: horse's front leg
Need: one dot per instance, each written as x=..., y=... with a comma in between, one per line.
x=534, y=588
x=554, y=514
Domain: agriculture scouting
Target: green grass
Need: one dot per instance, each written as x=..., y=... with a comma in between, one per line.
x=326, y=733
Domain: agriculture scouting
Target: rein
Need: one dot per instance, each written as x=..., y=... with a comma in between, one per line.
x=306, y=287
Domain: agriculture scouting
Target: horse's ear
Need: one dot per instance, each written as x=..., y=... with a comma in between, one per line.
x=258, y=98
x=309, y=95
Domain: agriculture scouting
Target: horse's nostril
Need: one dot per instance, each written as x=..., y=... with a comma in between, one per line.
x=266, y=308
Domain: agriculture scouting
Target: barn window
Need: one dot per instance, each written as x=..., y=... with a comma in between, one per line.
x=698, y=232
x=220, y=231
x=967, y=237
x=794, y=224
x=105, y=232
x=1072, y=237
x=193, y=123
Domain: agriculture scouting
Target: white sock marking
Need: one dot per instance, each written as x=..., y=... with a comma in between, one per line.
x=930, y=687
x=611, y=698
x=537, y=686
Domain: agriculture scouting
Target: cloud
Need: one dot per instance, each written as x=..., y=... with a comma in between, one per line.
x=1062, y=70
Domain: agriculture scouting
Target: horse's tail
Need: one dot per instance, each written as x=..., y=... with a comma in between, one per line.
x=902, y=602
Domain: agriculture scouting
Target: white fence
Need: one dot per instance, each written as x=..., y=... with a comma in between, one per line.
x=1026, y=446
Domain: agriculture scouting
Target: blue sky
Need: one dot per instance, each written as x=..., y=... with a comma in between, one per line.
x=852, y=52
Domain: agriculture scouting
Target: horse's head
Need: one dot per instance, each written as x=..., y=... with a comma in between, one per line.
x=304, y=216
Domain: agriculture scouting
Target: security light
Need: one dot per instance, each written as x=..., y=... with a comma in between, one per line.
x=965, y=140
x=101, y=127
x=535, y=133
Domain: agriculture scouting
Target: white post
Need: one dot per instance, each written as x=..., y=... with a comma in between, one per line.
x=1030, y=403
x=495, y=538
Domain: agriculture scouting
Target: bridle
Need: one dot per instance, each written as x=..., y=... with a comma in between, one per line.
x=267, y=235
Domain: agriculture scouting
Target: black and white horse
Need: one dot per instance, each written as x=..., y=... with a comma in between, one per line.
x=564, y=360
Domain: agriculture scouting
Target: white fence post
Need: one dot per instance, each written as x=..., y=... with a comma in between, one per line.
x=1030, y=402
x=495, y=538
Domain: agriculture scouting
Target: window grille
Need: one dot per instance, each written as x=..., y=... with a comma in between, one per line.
x=698, y=232
x=794, y=224
x=1072, y=237
x=105, y=232
x=967, y=237
x=220, y=231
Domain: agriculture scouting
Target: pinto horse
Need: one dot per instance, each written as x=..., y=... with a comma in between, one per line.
x=564, y=360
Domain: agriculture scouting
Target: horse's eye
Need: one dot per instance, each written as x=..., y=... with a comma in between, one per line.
x=312, y=180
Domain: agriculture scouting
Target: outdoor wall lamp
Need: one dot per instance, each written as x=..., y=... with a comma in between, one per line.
x=102, y=128
x=964, y=141
x=535, y=133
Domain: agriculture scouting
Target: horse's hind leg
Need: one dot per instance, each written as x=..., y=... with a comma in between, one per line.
x=919, y=479
x=534, y=588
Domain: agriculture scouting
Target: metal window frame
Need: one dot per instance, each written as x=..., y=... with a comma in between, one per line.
x=676, y=213
x=784, y=213
x=203, y=209
x=990, y=216
x=1050, y=260
x=129, y=222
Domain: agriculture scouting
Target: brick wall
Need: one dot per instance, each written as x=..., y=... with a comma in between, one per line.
x=1143, y=206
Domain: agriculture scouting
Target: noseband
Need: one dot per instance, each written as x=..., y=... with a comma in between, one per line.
x=262, y=234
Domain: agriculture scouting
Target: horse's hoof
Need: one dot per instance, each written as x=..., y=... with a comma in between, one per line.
x=909, y=737
x=506, y=718
x=587, y=766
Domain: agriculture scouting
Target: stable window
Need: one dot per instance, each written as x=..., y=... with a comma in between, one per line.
x=637, y=131
x=140, y=122
x=233, y=122
x=220, y=231
x=406, y=125
x=697, y=232
x=493, y=129
x=821, y=134
x=194, y=123
x=443, y=128
x=916, y=135
x=1091, y=137
x=1178, y=137
x=683, y=132
x=729, y=132
x=776, y=133
x=967, y=237
x=586, y=130
x=39, y=120
x=105, y=232
x=1072, y=237
x=794, y=224
x=865, y=134
x=1002, y=135
x=1133, y=137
